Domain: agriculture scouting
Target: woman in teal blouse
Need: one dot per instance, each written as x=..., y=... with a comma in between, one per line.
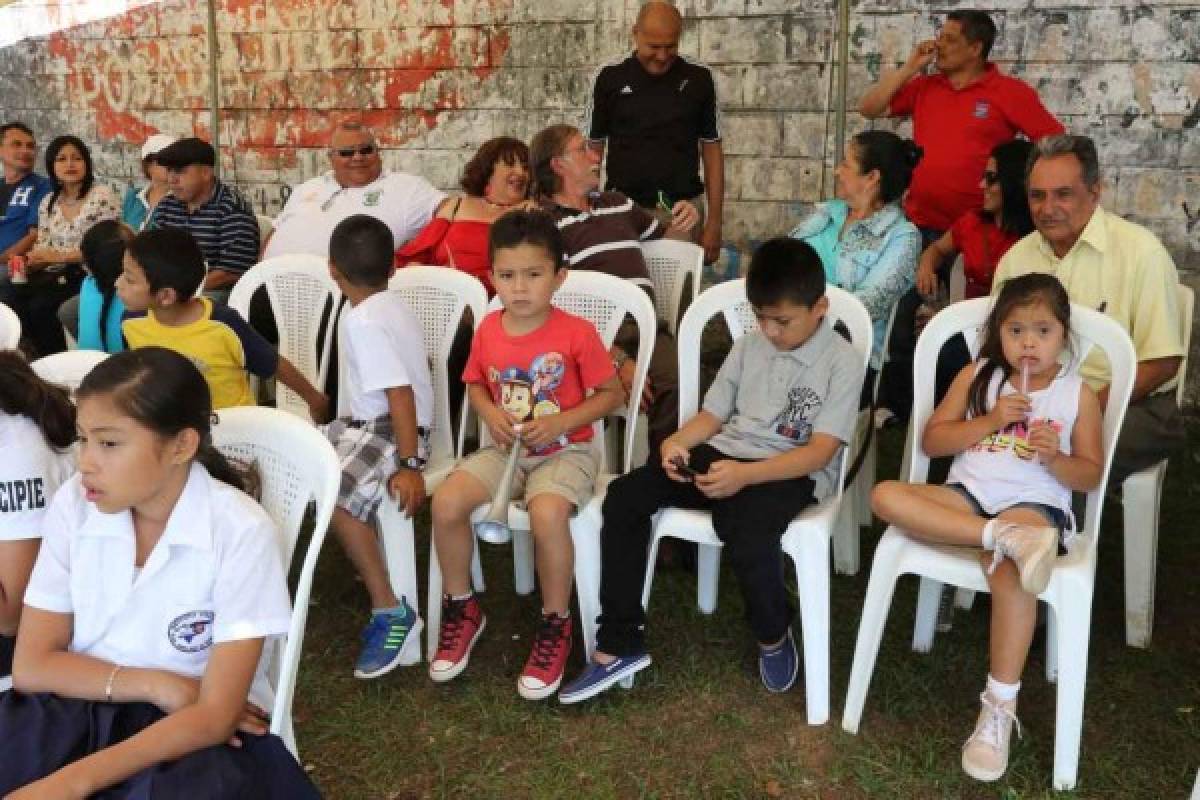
x=138, y=203
x=866, y=244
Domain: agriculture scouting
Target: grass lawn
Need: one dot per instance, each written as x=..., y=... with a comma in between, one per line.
x=699, y=725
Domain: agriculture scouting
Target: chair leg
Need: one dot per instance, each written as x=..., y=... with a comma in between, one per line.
x=523, y=565
x=585, y=534
x=863, y=483
x=1140, y=496
x=433, y=601
x=396, y=538
x=925, y=624
x=812, y=576
x=651, y=560
x=880, y=587
x=1051, y=644
x=1073, y=635
x=846, y=554
x=708, y=575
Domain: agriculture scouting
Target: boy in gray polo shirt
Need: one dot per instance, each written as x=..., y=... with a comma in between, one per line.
x=764, y=446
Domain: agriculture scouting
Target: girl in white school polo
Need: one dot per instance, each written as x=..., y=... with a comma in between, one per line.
x=37, y=425
x=139, y=669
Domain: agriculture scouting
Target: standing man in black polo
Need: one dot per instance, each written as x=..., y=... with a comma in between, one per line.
x=217, y=215
x=656, y=113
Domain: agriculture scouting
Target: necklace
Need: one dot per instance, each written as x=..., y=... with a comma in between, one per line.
x=494, y=204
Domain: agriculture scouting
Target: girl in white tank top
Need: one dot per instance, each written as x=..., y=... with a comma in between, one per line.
x=1024, y=431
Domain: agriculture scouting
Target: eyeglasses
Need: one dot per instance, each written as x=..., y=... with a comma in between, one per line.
x=351, y=152
x=991, y=177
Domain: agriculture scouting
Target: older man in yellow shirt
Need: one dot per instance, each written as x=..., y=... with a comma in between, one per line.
x=1117, y=267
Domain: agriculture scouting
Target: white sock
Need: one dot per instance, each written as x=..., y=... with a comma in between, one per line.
x=1004, y=692
x=989, y=534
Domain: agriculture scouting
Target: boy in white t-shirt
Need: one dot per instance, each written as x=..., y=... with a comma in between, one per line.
x=385, y=408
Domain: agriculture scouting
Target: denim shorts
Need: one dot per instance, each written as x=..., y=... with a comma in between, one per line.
x=1055, y=516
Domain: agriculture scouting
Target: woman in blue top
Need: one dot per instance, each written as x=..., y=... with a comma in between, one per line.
x=866, y=244
x=100, y=310
x=138, y=203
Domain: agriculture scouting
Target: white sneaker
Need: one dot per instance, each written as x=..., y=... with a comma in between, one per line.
x=985, y=754
x=1031, y=549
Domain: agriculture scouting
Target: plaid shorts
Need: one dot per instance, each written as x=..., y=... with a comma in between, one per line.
x=366, y=450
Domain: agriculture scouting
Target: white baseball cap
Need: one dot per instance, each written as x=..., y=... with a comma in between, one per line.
x=155, y=143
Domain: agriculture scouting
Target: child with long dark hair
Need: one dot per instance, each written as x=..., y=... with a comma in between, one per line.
x=1024, y=430
x=100, y=309
x=140, y=668
x=37, y=425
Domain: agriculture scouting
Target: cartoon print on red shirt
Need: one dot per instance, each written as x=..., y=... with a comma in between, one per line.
x=529, y=394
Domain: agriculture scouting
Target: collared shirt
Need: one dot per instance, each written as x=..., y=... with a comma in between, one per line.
x=1117, y=267
x=772, y=401
x=20, y=203
x=135, y=208
x=383, y=346
x=875, y=259
x=959, y=128
x=609, y=237
x=59, y=233
x=403, y=202
x=221, y=344
x=215, y=576
x=224, y=226
x=30, y=473
x=653, y=124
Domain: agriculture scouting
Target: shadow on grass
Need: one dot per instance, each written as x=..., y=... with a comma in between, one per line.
x=698, y=723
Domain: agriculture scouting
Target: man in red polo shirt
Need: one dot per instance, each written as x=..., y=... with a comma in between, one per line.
x=959, y=114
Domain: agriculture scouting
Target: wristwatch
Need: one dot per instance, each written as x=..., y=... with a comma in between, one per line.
x=411, y=462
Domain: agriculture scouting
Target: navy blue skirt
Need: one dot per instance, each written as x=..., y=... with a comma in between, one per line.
x=41, y=733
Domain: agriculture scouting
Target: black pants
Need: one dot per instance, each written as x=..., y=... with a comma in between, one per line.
x=750, y=524
x=37, y=302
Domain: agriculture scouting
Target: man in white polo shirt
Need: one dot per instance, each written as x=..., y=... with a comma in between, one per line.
x=357, y=184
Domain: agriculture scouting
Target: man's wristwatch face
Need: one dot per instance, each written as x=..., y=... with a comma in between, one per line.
x=412, y=462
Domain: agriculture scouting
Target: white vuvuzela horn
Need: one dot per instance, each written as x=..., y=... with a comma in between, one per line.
x=493, y=528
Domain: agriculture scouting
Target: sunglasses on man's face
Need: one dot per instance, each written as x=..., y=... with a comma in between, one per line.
x=991, y=177
x=351, y=152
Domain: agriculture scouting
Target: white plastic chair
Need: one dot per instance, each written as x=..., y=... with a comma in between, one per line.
x=1141, y=497
x=603, y=300
x=847, y=546
x=298, y=287
x=671, y=263
x=437, y=296
x=296, y=466
x=68, y=368
x=10, y=328
x=675, y=269
x=808, y=536
x=1072, y=584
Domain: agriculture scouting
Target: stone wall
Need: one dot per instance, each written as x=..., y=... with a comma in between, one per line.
x=437, y=77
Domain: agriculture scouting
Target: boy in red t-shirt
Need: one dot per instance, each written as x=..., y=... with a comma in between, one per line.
x=529, y=372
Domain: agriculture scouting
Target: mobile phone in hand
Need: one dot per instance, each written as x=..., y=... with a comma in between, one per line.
x=683, y=469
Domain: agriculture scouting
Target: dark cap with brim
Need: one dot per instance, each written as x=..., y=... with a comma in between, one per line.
x=186, y=152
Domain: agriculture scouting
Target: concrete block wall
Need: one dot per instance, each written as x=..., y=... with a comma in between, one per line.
x=438, y=77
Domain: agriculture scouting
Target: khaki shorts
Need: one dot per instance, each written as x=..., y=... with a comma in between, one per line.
x=570, y=472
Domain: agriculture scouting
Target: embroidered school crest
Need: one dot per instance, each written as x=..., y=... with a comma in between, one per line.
x=794, y=421
x=371, y=198
x=191, y=632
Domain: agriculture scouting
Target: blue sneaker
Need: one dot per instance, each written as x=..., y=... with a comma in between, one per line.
x=597, y=677
x=387, y=640
x=778, y=665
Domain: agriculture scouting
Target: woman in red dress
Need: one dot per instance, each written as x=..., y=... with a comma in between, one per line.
x=495, y=180
x=984, y=236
